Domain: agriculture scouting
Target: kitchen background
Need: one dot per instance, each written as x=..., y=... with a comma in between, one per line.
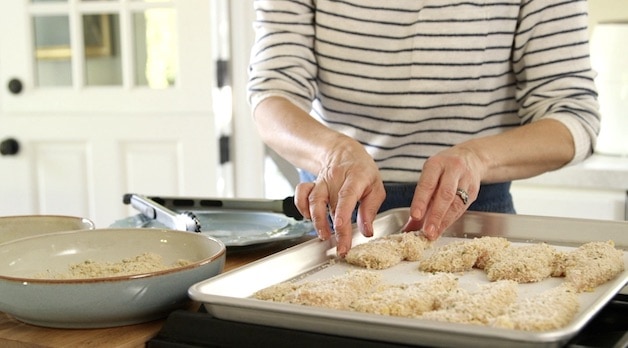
x=103, y=98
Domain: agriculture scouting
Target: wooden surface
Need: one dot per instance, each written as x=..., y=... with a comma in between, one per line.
x=16, y=334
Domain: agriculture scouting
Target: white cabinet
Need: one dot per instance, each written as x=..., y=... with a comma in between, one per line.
x=594, y=189
x=573, y=202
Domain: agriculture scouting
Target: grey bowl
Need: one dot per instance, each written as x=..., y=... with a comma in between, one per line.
x=106, y=301
x=20, y=226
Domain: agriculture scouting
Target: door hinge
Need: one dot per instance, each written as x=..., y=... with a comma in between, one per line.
x=222, y=73
x=224, y=144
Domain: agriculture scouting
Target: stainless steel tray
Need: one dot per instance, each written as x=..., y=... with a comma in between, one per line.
x=227, y=296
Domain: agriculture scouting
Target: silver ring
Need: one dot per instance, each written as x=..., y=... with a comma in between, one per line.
x=463, y=195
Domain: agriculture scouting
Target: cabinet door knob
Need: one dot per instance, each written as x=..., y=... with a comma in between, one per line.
x=9, y=147
x=15, y=86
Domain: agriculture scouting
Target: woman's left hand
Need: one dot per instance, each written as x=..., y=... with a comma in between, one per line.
x=449, y=183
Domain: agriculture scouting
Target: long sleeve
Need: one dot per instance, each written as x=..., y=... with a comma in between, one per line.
x=282, y=60
x=553, y=69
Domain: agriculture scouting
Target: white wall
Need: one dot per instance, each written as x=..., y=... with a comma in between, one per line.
x=607, y=10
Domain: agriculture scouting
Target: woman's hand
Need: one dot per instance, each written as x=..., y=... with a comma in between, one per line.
x=437, y=203
x=349, y=177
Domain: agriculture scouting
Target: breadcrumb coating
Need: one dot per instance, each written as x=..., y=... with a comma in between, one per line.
x=523, y=264
x=475, y=307
x=336, y=292
x=552, y=309
x=407, y=300
x=387, y=251
x=593, y=264
x=462, y=256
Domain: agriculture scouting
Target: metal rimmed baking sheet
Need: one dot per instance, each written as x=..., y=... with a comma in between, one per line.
x=228, y=295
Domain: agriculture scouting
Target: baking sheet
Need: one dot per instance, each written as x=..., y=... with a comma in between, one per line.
x=227, y=296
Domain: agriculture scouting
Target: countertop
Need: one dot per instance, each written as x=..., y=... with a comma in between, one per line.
x=17, y=334
x=597, y=172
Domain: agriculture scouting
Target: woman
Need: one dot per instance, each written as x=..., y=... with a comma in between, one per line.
x=436, y=105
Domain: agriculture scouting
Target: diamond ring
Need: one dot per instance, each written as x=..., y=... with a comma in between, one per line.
x=463, y=195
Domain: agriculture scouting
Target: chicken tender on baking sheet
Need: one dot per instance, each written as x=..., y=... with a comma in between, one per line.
x=376, y=254
x=487, y=246
x=337, y=292
x=552, y=309
x=560, y=259
x=593, y=264
x=523, y=264
x=475, y=307
x=461, y=256
x=411, y=245
x=387, y=251
x=282, y=292
x=453, y=257
x=407, y=300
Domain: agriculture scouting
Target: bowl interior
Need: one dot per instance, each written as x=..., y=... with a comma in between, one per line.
x=21, y=226
x=29, y=258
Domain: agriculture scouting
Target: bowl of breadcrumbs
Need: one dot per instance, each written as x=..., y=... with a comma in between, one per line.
x=21, y=226
x=104, y=277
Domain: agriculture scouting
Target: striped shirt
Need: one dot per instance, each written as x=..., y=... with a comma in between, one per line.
x=409, y=78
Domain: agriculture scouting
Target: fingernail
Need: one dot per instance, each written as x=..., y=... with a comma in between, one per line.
x=430, y=231
x=368, y=231
x=416, y=214
x=341, y=251
x=320, y=235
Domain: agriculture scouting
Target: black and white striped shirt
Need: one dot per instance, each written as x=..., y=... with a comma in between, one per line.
x=409, y=78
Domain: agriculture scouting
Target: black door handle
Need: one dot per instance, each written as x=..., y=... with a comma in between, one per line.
x=9, y=147
x=15, y=86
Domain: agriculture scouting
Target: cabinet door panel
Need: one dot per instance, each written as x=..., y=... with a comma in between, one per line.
x=569, y=202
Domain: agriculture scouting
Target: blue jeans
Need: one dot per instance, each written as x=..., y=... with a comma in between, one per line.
x=494, y=198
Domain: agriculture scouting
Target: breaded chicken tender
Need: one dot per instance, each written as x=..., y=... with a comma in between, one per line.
x=558, y=265
x=552, y=309
x=487, y=246
x=282, y=292
x=387, y=251
x=475, y=307
x=336, y=292
x=461, y=256
x=407, y=300
x=593, y=264
x=375, y=254
x=523, y=264
x=411, y=245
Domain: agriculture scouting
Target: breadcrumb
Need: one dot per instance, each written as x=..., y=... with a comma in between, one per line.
x=140, y=264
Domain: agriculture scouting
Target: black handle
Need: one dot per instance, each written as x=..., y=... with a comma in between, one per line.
x=9, y=147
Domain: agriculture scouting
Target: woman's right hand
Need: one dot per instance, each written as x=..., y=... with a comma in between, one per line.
x=348, y=177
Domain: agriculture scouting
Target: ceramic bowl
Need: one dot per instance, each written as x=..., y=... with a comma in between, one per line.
x=30, y=293
x=20, y=226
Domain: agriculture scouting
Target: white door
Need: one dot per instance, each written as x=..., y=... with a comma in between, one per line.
x=101, y=98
